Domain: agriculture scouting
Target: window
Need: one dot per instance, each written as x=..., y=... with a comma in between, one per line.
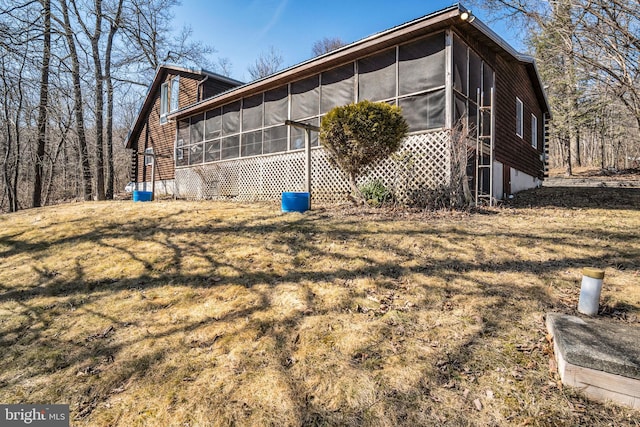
x=519, y=117
x=174, y=95
x=169, y=96
x=148, y=156
x=534, y=131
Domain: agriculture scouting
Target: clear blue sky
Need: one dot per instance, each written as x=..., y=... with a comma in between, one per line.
x=241, y=30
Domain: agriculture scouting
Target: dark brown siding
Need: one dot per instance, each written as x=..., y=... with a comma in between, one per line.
x=512, y=80
x=162, y=136
x=213, y=87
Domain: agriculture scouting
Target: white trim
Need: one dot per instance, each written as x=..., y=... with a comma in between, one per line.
x=519, y=117
x=164, y=102
x=534, y=131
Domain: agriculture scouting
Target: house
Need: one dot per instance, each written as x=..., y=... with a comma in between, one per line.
x=448, y=71
x=173, y=87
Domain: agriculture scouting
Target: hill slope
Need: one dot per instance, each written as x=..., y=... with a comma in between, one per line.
x=180, y=313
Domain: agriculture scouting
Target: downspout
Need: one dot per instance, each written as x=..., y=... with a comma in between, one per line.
x=200, y=83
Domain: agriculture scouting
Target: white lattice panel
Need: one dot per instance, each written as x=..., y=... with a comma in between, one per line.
x=423, y=162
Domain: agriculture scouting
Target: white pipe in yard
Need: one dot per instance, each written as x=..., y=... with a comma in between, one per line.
x=590, y=290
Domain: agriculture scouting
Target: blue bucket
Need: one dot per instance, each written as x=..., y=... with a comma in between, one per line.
x=142, y=196
x=295, y=201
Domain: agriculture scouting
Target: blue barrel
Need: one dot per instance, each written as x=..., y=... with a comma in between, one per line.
x=142, y=196
x=295, y=201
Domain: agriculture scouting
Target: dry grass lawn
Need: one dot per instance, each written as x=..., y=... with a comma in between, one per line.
x=203, y=313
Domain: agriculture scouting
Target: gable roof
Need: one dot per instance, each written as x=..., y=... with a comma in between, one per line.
x=439, y=20
x=157, y=81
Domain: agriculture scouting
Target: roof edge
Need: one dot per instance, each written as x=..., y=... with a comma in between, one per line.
x=456, y=7
x=171, y=67
x=503, y=44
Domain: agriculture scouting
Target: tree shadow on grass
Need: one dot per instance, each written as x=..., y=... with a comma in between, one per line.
x=578, y=197
x=355, y=256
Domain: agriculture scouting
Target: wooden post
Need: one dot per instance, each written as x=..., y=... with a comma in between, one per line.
x=307, y=165
x=307, y=149
x=153, y=179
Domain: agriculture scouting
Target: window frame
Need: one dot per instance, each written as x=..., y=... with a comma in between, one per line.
x=534, y=131
x=169, y=98
x=164, y=102
x=519, y=118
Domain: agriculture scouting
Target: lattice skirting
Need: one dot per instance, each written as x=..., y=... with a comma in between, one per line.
x=423, y=162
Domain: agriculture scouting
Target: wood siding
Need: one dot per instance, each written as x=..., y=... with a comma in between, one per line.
x=513, y=80
x=161, y=137
x=213, y=87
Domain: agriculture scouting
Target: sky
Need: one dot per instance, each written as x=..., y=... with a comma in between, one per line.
x=241, y=30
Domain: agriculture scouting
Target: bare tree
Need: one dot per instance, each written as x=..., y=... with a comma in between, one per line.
x=326, y=45
x=115, y=22
x=78, y=101
x=224, y=66
x=44, y=103
x=147, y=25
x=267, y=63
x=588, y=53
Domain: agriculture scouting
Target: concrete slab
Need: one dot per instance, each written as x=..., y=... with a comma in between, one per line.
x=599, y=356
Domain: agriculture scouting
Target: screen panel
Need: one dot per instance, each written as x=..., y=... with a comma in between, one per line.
x=305, y=98
x=251, y=143
x=252, y=113
x=231, y=118
x=230, y=147
x=377, y=76
x=213, y=124
x=276, y=106
x=475, y=75
x=197, y=128
x=195, y=154
x=275, y=140
x=212, y=150
x=421, y=65
x=460, y=66
x=183, y=130
x=337, y=87
x=297, y=135
x=425, y=111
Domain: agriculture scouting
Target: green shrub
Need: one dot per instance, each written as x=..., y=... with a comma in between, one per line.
x=375, y=193
x=357, y=135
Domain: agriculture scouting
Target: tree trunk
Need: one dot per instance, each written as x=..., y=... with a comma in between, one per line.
x=115, y=24
x=577, y=157
x=44, y=102
x=567, y=154
x=77, y=95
